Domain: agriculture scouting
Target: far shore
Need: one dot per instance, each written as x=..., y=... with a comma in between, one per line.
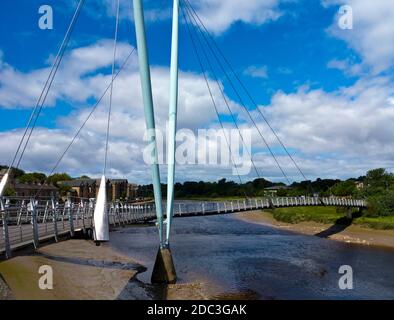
x=352, y=234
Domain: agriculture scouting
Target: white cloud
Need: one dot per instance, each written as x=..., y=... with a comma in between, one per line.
x=84, y=74
x=372, y=33
x=352, y=125
x=21, y=90
x=340, y=133
x=219, y=15
x=257, y=72
x=346, y=66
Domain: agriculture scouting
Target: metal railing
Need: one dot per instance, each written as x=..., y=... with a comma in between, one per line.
x=25, y=221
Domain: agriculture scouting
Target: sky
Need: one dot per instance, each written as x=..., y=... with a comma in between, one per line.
x=327, y=92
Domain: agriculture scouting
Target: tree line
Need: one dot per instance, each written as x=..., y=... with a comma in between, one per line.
x=377, y=187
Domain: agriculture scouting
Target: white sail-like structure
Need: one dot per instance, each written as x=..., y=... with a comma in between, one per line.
x=101, y=221
x=3, y=184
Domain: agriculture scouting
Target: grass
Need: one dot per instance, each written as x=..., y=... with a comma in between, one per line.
x=329, y=215
x=380, y=223
x=299, y=214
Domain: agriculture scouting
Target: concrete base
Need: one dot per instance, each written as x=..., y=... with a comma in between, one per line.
x=164, y=270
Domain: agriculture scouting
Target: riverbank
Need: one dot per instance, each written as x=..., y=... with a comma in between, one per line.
x=349, y=234
x=81, y=270
x=84, y=271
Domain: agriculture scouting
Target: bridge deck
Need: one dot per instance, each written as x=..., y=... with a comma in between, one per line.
x=25, y=224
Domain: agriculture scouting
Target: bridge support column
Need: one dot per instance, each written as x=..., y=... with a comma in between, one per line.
x=164, y=270
x=146, y=88
x=349, y=212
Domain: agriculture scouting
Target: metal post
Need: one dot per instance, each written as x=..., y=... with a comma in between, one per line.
x=70, y=216
x=7, y=245
x=54, y=218
x=34, y=224
x=172, y=117
x=148, y=108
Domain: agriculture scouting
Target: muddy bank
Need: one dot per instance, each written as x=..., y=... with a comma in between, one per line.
x=81, y=270
x=351, y=234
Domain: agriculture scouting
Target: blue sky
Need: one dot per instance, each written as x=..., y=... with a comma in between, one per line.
x=306, y=73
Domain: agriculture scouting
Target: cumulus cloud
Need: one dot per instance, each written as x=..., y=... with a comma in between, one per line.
x=219, y=15
x=21, y=90
x=257, y=72
x=372, y=32
x=346, y=66
x=351, y=126
x=83, y=76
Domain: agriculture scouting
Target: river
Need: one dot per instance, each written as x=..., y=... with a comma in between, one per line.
x=231, y=258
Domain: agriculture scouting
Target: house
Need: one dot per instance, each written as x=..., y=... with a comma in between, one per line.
x=82, y=188
x=29, y=189
x=272, y=191
x=359, y=185
x=88, y=188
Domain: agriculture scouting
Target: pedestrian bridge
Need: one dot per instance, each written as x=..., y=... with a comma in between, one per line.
x=28, y=222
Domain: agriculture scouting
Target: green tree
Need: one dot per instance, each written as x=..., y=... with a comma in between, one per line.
x=377, y=182
x=344, y=188
x=55, y=178
x=15, y=171
x=9, y=191
x=34, y=177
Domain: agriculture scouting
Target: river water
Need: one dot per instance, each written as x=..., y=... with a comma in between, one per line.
x=231, y=258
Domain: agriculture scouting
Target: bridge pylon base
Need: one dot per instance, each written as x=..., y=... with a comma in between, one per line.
x=164, y=270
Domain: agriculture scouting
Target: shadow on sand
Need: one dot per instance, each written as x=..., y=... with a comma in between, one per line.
x=339, y=225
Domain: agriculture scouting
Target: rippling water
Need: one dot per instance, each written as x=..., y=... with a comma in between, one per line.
x=236, y=258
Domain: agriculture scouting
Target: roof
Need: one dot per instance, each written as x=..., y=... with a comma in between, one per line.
x=89, y=182
x=273, y=188
x=78, y=182
x=34, y=186
x=118, y=180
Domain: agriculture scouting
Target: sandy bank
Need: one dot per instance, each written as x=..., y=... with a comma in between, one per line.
x=81, y=270
x=352, y=234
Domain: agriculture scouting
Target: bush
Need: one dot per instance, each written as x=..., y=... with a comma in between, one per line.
x=381, y=205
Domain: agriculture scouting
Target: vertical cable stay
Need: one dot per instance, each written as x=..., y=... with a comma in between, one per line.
x=111, y=88
x=188, y=4
x=44, y=93
x=237, y=93
x=225, y=99
x=211, y=95
x=85, y=121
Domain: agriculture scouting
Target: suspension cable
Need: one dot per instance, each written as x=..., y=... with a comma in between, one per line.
x=111, y=88
x=187, y=2
x=211, y=95
x=239, y=97
x=85, y=121
x=44, y=93
x=226, y=103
